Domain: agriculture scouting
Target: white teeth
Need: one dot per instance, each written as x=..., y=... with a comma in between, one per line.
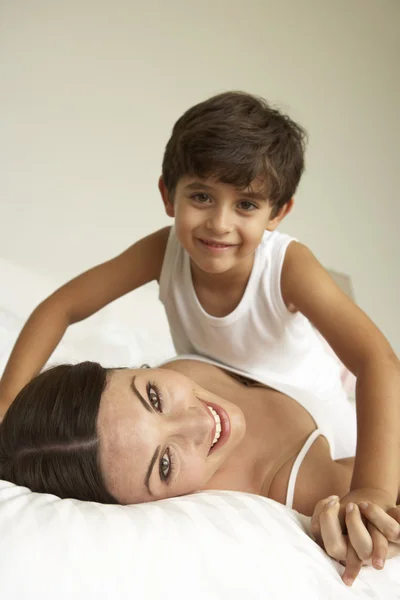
x=217, y=425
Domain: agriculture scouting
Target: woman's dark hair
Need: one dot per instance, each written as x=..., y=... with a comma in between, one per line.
x=236, y=138
x=48, y=438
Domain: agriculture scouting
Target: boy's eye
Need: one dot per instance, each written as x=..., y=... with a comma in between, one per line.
x=247, y=206
x=154, y=396
x=202, y=198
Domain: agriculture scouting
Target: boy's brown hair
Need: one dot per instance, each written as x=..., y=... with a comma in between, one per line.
x=237, y=138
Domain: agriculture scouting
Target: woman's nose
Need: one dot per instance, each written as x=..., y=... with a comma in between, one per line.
x=193, y=424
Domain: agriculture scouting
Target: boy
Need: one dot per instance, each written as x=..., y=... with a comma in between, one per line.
x=234, y=288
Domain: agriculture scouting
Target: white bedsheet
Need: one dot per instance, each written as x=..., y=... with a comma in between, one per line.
x=213, y=545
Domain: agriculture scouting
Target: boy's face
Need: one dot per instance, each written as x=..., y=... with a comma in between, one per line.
x=218, y=225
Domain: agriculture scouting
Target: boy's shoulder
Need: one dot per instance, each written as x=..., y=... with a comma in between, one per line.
x=274, y=247
x=155, y=242
x=156, y=247
x=160, y=238
x=142, y=262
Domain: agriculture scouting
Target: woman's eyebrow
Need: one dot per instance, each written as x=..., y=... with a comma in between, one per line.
x=157, y=452
x=139, y=395
x=150, y=469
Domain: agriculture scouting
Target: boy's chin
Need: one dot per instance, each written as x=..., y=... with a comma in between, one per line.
x=212, y=266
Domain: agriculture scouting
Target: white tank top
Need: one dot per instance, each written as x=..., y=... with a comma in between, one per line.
x=260, y=338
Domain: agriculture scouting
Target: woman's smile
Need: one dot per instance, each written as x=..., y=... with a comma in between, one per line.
x=222, y=426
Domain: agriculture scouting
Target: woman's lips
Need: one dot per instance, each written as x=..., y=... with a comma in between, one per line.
x=225, y=426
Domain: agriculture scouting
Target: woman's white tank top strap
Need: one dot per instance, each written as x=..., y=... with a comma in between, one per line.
x=296, y=466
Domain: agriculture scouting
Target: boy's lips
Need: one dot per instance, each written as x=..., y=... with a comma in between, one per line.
x=214, y=246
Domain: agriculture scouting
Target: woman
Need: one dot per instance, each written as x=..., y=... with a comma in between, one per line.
x=135, y=435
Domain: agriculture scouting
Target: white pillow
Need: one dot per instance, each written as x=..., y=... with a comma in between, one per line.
x=211, y=545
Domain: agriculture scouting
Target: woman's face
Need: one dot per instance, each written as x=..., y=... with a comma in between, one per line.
x=156, y=430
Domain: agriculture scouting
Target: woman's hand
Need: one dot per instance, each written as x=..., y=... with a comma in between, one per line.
x=357, y=556
x=373, y=535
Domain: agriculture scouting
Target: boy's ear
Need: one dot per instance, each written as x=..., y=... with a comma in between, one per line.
x=283, y=212
x=168, y=205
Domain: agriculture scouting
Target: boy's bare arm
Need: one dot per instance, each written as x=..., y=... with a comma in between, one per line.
x=75, y=301
x=366, y=352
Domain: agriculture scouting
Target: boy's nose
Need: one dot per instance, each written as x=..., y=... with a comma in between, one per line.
x=220, y=221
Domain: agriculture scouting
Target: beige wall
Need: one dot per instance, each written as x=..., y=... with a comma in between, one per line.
x=91, y=88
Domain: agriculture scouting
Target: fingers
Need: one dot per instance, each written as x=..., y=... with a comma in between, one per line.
x=384, y=529
x=372, y=534
x=380, y=547
x=327, y=530
x=315, y=526
x=358, y=534
x=358, y=548
x=386, y=523
x=395, y=513
x=359, y=545
x=334, y=541
x=353, y=566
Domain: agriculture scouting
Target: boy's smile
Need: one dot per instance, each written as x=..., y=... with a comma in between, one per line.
x=215, y=246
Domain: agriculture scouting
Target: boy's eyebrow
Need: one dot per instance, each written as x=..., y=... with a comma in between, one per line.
x=254, y=195
x=196, y=185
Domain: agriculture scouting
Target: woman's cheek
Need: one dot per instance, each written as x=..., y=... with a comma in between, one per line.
x=193, y=477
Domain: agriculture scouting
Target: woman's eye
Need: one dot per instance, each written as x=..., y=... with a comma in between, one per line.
x=247, y=206
x=202, y=198
x=154, y=397
x=165, y=466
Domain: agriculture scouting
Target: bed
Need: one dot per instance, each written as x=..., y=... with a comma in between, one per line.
x=210, y=545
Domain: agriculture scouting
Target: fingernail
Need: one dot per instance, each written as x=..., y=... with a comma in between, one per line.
x=379, y=563
x=363, y=505
x=349, y=508
x=331, y=502
x=347, y=580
